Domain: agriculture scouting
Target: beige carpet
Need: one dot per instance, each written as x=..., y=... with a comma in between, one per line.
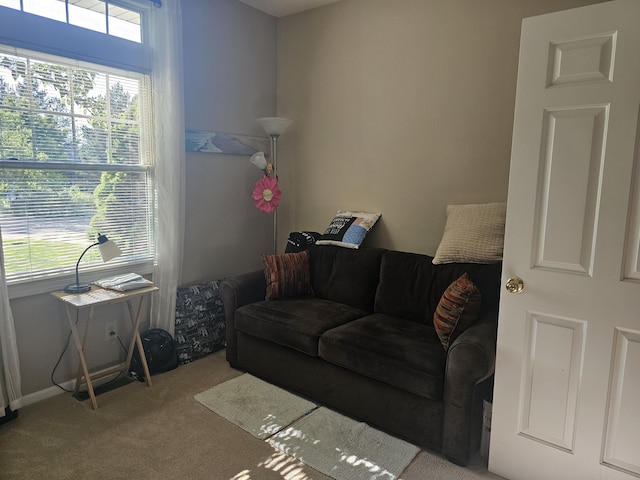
x=162, y=433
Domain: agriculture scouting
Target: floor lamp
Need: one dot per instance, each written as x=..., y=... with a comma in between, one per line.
x=274, y=126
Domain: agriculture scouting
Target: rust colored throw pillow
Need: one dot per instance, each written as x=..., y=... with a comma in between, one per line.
x=457, y=310
x=287, y=275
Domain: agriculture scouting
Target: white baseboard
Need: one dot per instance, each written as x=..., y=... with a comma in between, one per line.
x=47, y=393
x=69, y=385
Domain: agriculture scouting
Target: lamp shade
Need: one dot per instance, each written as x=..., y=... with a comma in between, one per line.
x=259, y=160
x=274, y=125
x=108, y=248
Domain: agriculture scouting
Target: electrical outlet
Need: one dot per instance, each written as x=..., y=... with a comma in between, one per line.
x=109, y=328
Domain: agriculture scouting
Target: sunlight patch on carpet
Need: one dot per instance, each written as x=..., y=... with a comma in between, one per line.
x=287, y=467
x=322, y=439
x=255, y=406
x=344, y=448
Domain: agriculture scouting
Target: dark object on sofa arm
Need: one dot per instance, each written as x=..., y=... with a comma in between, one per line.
x=365, y=345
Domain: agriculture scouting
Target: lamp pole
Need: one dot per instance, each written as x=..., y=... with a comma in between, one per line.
x=274, y=154
x=274, y=126
x=77, y=288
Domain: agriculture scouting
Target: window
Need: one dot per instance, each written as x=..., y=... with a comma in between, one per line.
x=75, y=161
x=98, y=15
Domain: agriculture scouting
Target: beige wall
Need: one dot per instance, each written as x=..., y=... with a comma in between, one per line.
x=399, y=107
x=230, y=79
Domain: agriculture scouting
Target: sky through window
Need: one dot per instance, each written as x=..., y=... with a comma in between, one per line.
x=97, y=15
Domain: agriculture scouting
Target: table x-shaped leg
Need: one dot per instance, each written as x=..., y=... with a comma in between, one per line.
x=83, y=370
x=135, y=339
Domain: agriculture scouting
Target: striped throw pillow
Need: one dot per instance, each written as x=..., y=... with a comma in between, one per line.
x=287, y=275
x=457, y=310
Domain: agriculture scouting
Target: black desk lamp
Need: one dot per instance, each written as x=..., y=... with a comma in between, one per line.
x=108, y=250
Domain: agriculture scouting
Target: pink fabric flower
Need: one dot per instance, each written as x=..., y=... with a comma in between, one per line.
x=266, y=194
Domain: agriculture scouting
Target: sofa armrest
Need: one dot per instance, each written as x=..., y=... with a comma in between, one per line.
x=235, y=292
x=470, y=363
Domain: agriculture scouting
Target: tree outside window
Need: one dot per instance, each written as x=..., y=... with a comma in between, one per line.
x=74, y=143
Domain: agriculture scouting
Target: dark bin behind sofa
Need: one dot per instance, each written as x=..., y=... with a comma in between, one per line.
x=200, y=326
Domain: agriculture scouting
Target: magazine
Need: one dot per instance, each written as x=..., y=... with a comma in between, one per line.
x=122, y=283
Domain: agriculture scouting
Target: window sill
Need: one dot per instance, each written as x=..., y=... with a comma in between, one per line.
x=37, y=287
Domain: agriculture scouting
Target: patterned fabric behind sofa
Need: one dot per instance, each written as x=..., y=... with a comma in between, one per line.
x=200, y=322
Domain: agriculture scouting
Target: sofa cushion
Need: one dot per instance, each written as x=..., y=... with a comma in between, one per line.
x=294, y=323
x=411, y=286
x=344, y=275
x=399, y=352
x=287, y=275
x=485, y=277
x=405, y=280
x=457, y=309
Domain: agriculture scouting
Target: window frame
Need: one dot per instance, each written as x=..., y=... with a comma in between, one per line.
x=70, y=41
x=73, y=43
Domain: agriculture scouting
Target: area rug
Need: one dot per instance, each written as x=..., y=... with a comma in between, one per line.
x=332, y=444
x=256, y=406
x=344, y=448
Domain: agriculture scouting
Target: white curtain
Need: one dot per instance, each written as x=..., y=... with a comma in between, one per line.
x=169, y=150
x=10, y=391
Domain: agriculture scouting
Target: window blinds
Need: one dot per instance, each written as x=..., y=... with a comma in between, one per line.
x=74, y=162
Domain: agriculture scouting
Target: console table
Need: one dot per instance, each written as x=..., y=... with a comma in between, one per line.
x=97, y=297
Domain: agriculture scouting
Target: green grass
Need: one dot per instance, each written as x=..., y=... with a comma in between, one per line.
x=42, y=255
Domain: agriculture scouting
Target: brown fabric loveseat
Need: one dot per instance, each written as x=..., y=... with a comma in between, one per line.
x=364, y=343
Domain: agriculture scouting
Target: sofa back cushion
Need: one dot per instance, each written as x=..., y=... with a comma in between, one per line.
x=411, y=286
x=484, y=276
x=405, y=280
x=346, y=275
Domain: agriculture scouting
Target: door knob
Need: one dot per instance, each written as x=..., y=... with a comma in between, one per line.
x=514, y=285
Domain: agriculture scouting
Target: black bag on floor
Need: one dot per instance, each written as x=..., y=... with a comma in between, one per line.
x=160, y=352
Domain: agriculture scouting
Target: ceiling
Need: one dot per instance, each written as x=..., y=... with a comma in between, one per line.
x=281, y=8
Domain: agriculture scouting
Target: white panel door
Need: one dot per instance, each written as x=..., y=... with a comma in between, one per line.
x=567, y=386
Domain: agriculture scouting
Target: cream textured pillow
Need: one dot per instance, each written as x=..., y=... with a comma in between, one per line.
x=473, y=234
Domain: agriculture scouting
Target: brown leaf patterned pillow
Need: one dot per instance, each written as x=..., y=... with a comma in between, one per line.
x=457, y=310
